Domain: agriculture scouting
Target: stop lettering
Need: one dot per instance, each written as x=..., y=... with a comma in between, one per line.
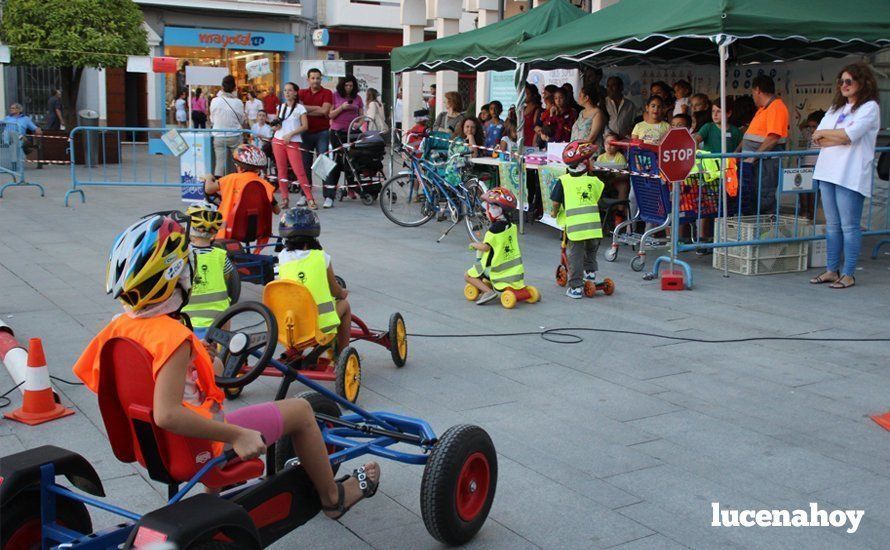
x=676, y=154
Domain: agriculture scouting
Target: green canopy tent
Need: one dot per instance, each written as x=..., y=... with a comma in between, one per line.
x=490, y=48
x=635, y=32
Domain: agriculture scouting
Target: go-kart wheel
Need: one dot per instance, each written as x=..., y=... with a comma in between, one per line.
x=340, y=281
x=234, y=287
x=367, y=199
x=508, y=299
x=459, y=482
x=284, y=449
x=349, y=374
x=233, y=393
x=20, y=521
x=608, y=287
x=562, y=275
x=534, y=295
x=471, y=293
x=212, y=545
x=398, y=339
x=238, y=346
x=638, y=263
x=611, y=255
x=590, y=289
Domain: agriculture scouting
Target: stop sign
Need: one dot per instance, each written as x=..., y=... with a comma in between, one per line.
x=676, y=154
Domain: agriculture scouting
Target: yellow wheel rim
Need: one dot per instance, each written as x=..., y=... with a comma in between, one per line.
x=402, y=339
x=508, y=299
x=353, y=377
x=534, y=296
x=471, y=293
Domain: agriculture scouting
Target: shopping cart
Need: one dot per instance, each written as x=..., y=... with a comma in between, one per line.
x=700, y=199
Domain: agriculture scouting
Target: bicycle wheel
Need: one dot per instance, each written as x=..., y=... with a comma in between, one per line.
x=404, y=202
x=475, y=217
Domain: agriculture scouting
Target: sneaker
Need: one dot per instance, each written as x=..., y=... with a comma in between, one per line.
x=486, y=297
x=590, y=276
x=575, y=293
x=703, y=251
x=301, y=201
x=328, y=203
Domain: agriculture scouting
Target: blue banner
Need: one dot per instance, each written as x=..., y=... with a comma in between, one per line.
x=231, y=39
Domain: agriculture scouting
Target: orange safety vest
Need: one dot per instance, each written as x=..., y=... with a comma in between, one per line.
x=160, y=336
x=230, y=188
x=732, y=177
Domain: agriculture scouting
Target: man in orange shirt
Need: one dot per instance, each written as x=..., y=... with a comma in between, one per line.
x=768, y=131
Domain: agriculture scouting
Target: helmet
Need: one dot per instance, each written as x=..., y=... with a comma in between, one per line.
x=502, y=197
x=577, y=152
x=299, y=222
x=146, y=261
x=249, y=157
x=205, y=219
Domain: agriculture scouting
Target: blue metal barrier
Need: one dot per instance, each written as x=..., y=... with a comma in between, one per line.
x=769, y=220
x=12, y=158
x=107, y=156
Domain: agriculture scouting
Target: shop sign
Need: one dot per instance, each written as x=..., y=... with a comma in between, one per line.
x=320, y=37
x=231, y=39
x=258, y=68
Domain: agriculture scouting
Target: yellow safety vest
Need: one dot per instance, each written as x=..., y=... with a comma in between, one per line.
x=312, y=273
x=710, y=168
x=505, y=269
x=580, y=214
x=209, y=295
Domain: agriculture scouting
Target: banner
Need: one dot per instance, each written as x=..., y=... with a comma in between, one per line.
x=368, y=77
x=204, y=76
x=502, y=89
x=257, y=68
x=195, y=164
x=556, y=77
x=138, y=64
x=163, y=64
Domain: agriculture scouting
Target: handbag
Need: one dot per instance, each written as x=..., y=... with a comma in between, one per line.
x=323, y=165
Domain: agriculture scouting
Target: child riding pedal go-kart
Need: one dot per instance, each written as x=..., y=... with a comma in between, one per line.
x=162, y=406
x=498, y=270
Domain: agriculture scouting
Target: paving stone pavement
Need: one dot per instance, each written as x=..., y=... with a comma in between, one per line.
x=621, y=441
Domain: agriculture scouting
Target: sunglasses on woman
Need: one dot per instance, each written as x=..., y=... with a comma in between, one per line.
x=845, y=81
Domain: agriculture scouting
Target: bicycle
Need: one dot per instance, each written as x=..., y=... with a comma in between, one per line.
x=414, y=196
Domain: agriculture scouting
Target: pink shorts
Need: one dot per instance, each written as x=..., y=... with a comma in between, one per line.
x=264, y=418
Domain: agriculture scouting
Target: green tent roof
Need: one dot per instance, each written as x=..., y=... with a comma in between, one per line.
x=492, y=47
x=641, y=31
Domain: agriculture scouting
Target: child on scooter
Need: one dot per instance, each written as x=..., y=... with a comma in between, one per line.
x=575, y=199
x=499, y=260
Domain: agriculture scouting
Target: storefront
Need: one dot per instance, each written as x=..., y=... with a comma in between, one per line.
x=232, y=49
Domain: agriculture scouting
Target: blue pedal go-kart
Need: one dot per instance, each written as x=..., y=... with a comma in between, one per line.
x=251, y=510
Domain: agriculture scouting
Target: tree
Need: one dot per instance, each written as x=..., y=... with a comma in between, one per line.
x=72, y=35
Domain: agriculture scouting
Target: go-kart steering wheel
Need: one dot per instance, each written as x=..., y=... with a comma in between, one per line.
x=239, y=345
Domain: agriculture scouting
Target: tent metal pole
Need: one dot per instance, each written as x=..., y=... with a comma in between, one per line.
x=392, y=123
x=722, y=52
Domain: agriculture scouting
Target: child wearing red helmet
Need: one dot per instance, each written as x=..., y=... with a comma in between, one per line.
x=498, y=258
x=575, y=197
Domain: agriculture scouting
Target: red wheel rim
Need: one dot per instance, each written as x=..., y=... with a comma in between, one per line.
x=25, y=537
x=472, y=486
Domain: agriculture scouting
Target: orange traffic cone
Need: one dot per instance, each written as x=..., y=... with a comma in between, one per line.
x=38, y=404
x=883, y=420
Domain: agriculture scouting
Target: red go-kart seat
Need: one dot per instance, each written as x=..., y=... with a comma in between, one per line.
x=126, y=390
x=251, y=217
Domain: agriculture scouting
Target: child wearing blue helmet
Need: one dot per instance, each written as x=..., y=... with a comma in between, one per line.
x=303, y=260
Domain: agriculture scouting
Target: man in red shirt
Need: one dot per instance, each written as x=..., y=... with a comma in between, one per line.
x=271, y=102
x=317, y=101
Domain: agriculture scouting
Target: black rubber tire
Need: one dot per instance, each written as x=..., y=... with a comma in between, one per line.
x=637, y=263
x=340, y=371
x=284, y=449
x=340, y=281
x=213, y=545
x=394, y=320
x=403, y=179
x=25, y=507
x=438, y=489
x=234, y=287
x=368, y=199
x=233, y=393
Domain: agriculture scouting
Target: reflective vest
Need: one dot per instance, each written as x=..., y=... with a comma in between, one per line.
x=709, y=168
x=209, y=296
x=580, y=215
x=505, y=267
x=312, y=273
x=159, y=336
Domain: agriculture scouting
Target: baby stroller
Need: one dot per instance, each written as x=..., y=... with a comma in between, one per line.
x=362, y=160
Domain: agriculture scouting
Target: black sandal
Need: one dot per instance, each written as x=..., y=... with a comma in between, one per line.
x=821, y=279
x=368, y=488
x=839, y=283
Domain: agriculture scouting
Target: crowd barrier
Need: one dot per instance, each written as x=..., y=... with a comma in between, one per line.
x=12, y=158
x=753, y=235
